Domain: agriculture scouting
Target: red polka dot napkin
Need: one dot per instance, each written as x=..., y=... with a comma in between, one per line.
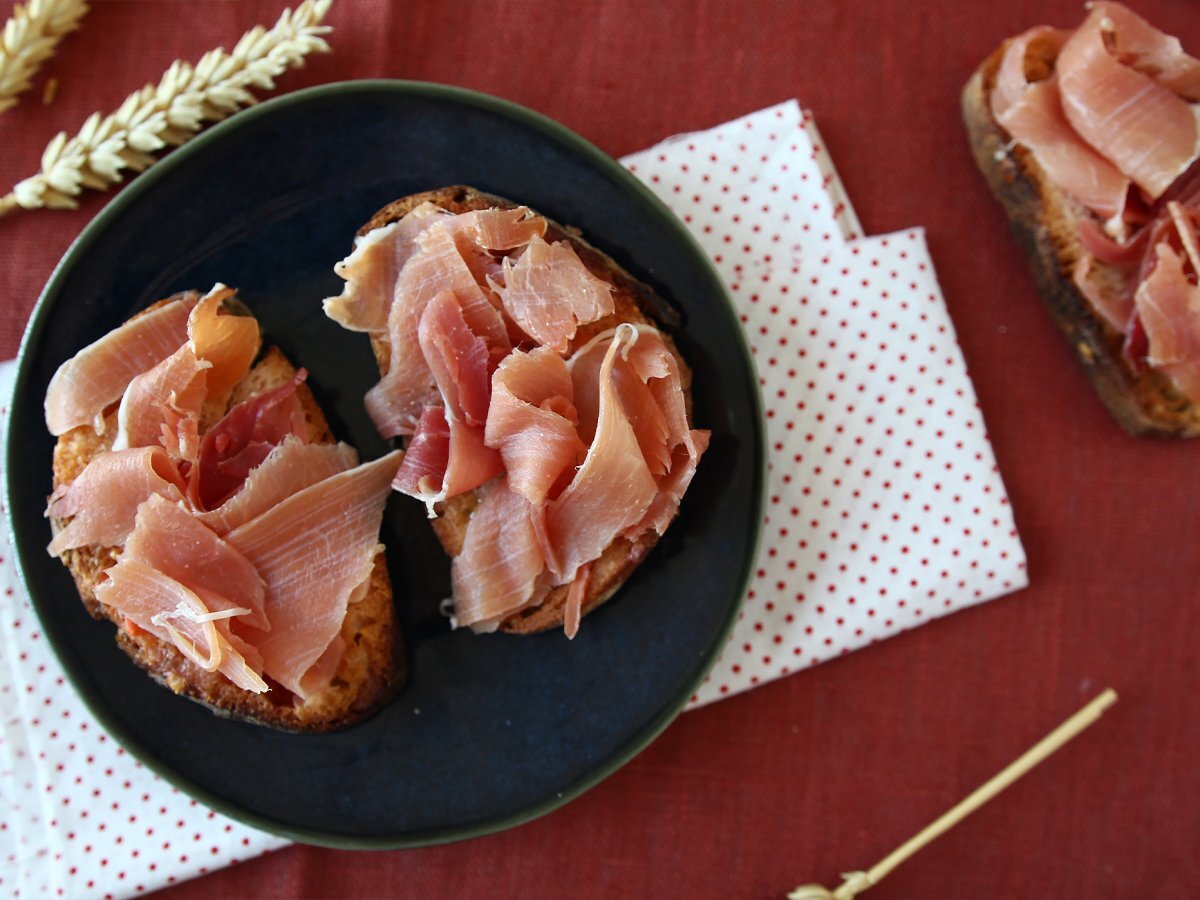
x=885, y=508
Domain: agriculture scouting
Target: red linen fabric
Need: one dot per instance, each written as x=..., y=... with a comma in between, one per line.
x=830, y=769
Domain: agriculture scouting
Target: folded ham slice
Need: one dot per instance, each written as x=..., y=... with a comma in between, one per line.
x=1168, y=305
x=373, y=268
x=1031, y=111
x=314, y=550
x=615, y=486
x=243, y=439
x=175, y=614
x=103, y=500
x=289, y=468
x=226, y=341
x=1136, y=121
x=549, y=292
x=532, y=422
x=96, y=377
x=158, y=404
x=500, y=569
x=447, y=455
x=167, y=537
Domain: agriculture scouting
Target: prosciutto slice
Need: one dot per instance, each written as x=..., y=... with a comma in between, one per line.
x=290, y=467
x=1031, y=111
x=373, y=268
x=104, y=499
x=174, y=613
x=612, y=489
x=447, y=455
x=651, y=391
x=395, y=403
x=243, y=439
x=499, y=229
x=500, y=568
x=158, y=405
x=227, y=342
x=1168, y=305
x=549, y=292
x=532, y=422
x=1138, y=123
x=313, y=551
x=171, y=540
x=1142, y=47
x=97, y=376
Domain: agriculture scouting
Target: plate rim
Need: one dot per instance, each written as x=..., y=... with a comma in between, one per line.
x=130, y=195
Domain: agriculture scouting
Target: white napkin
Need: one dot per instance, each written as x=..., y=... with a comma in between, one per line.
x=885, y=508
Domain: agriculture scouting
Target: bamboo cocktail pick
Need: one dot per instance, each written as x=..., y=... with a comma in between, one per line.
x=857, y=882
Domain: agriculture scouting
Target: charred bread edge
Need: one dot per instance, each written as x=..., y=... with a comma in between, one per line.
x=375, y=672
x=1039, y=213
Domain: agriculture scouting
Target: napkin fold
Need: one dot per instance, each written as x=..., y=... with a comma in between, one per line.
x=885, y=508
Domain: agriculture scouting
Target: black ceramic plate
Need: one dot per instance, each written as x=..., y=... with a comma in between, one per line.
x=490, y=731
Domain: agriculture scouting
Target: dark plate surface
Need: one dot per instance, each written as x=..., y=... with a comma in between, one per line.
x=490, y=731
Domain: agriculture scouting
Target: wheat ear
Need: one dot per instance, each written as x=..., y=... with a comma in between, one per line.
x=29, y=39
x=171, y=112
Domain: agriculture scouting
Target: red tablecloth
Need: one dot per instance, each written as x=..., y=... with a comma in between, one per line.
x=830, y=769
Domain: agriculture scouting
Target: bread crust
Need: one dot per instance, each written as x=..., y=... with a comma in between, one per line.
x=372, y=669
x=633, y=302
x=1044, y=220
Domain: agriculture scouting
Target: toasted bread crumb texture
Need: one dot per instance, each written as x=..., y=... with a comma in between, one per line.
x=372, y=668
x=633, y=302
x=1044, y=220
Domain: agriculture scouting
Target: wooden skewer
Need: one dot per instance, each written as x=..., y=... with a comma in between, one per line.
x=857, y=882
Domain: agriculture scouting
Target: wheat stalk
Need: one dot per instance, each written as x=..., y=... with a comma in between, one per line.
x=29, y=39
x=171, y=112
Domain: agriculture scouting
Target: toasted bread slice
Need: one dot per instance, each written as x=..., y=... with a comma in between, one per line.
x=372, y=668
x=1044, y=219
x=633, y=302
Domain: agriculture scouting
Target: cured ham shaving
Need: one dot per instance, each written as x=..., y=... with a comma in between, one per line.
x=313, y=551
x=1141, y=125
x=173, y=613
x=447, y=454
x=288, y=469
x=1168, y=306
x=549, y=292
x=157, y=402
x=498, y=571
x=243, y=439
x=395, y=403
x=96, y=377
x=103, y=500
x=227, y=342
x=532, y=422
x=372, y=269
x=612, y=489
x=167, y=537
